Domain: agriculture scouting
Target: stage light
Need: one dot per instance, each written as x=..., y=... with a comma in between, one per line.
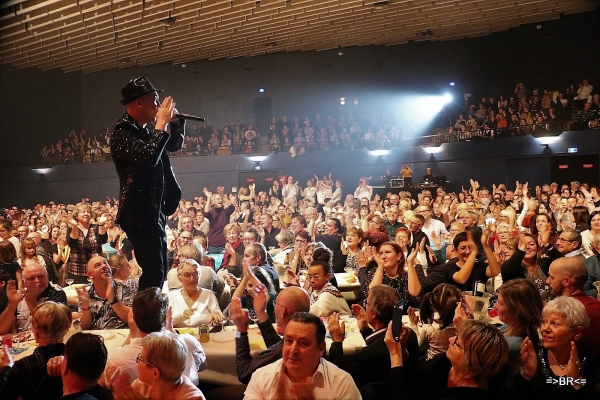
x=447, y=98
x=257, y=158
x=432, y=149
x=379, y=153
x=41, y=171
x=261, y=90
x=257, y=166
x=342, y=101
x=452, y=84
x=547, y=140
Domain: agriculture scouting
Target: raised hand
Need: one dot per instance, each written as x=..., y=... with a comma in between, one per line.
x=238, y=315
x=414, y=318
x=460, y=315
x=84, y=296
x=361, y=317
x=336, y=330
x=411, y=257
x=572, y=367
x=260, y=297
x=485, y=237
x=13, y=295
x=529, y=361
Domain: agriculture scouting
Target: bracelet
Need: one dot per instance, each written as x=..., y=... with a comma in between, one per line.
x=115, y=301
x=85, y=309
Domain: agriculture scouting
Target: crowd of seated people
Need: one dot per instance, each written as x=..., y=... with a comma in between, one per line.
x=521, y=113
x=538, y=112
x=273, y=257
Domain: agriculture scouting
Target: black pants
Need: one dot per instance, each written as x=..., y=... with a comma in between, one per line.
x=150, y=247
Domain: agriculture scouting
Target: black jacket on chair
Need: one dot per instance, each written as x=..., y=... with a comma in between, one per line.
x=148, y=185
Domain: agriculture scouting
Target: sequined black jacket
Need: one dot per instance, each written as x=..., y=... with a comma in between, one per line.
x=148, y=185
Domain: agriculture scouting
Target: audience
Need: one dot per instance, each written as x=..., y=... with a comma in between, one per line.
x=525, y=258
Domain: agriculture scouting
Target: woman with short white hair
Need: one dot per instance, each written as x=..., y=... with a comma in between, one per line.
x=191, y=305
x=160, y=369
x=564, y=320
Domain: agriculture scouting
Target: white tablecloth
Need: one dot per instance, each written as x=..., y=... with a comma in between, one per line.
x=220, y=356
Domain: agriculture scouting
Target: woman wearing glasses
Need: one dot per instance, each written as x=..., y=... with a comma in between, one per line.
x=476, y=354
x=160, y=370
x=324, y=297
x=191, y=305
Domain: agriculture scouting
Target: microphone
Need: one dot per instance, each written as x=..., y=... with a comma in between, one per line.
x=190, y=117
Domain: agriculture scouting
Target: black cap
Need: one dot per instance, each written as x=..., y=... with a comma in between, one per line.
x=136, y=88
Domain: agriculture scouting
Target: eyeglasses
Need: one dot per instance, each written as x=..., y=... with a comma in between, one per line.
x=315, y=277
x=189, y=276
x=456, y=343
x=139, y=358
x=564, y=240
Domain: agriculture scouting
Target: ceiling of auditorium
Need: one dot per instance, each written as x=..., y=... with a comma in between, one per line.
x=93, y=35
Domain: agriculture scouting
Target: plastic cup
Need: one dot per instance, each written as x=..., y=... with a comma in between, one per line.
x=478, y=304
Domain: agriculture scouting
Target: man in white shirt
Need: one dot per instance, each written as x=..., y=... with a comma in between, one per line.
x=431, y=225
x=302, y=372
x=290, y=190
x=148, y=314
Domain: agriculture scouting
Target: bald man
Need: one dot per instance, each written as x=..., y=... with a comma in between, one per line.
x=105, y=304
x=289, y=301
x=566, y=277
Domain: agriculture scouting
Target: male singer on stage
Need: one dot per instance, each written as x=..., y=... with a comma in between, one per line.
x=149, y=191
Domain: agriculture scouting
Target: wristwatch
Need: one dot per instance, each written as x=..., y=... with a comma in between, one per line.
x=241, y=334
x=115, y=301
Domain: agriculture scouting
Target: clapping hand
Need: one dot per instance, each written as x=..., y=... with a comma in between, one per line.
x=336, y=330
x=239, y=315
x=84, y=296
x=529, y=361
x=460, y=315
x=361, y=317
x=13, y=295
x=412, y=316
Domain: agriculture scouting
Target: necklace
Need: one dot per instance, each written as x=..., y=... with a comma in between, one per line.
x=561, y=366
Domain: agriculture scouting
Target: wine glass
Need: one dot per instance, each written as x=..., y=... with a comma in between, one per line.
x=253, y=317
x=349, y=269
x=69, y=281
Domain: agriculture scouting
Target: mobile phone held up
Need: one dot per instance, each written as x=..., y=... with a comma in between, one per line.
x=397, y=320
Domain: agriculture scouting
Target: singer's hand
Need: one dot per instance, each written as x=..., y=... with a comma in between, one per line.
x=166, y=113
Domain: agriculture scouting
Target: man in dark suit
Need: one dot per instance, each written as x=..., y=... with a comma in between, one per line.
x=372, y=363
x=149, y=191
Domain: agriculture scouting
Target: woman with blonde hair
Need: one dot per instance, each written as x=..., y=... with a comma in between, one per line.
x=160, y=370
x=28, y=378
x=85, y=240
x=233, y=242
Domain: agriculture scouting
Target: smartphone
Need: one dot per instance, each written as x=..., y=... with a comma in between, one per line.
x=397, y=320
